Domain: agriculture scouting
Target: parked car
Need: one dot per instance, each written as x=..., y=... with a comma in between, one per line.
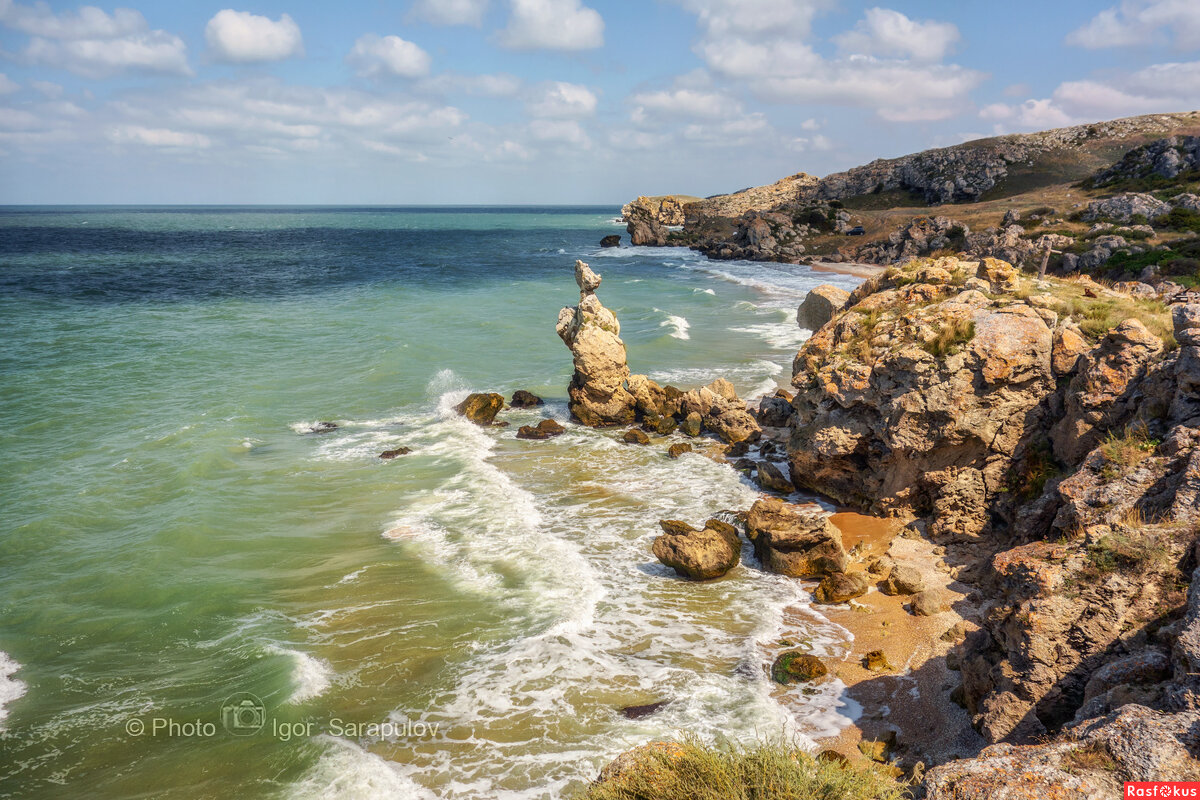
x=857, y=230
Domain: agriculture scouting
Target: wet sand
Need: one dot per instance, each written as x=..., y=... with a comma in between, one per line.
x=849, y=268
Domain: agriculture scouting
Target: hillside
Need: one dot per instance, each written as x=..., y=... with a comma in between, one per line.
x=1135, y=178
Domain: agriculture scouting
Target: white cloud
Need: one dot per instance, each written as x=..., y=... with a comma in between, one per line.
x=732, y=133
x=884, y=32
x=563, y=131
x=47, y=88
x=1154, y=89
x=761, y=45
x=157, y=137
x=810, y=125
x=562, y=100
x=695, y=103
x=94, y=44
x=1141, y=22
x=450, y=12
x=8, y=85
x=14, y=119
x=374, y=56
x=552, y=25
x=791, y=18
x=242, y=37
x=498, y=85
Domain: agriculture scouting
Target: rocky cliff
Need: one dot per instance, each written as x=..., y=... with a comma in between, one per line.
x=1047, y=434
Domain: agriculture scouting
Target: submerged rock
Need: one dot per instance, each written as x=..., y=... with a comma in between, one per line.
x=387, y=455
x=545, y=429
x=770, y=477
x=524, y=399
x=481, y=408
x=598, y=397
x=612, y=240
x=795, y=666
x=678, y=449
x=700, y=555
x=323, y=427
x=795, y=541
x=635, y=436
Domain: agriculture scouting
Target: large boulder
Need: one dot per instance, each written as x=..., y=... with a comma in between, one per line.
x=794, y=540
x=481, y=408
x=1124, y=207
x=819, y=306
x=721, y=411
x=700, y=555
x=919, y=394
x=842, y=586
x=597, y=393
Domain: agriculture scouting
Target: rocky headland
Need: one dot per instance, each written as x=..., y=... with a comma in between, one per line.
x=1027, y=453
x=1115, y=200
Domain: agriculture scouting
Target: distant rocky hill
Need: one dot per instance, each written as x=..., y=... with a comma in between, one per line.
x=1117, y=199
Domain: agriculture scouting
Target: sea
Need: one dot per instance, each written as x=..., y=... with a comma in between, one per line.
x=201, y=598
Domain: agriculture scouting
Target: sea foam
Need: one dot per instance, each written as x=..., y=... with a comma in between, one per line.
x=11, y=689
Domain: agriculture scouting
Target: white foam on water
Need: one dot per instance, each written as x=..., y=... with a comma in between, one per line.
x=677, y=326
x=346, y=771
x=11, y=689
x=704, y=291
x=311, y=676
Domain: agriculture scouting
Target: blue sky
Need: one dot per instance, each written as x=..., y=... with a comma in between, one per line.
x=545, y=101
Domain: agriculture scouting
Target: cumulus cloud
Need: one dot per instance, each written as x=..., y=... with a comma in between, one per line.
x=450, y=12
x=562, y=101
x=157, y=137
x=884, y=32
x=552, y=25
x=242, y=37
x=376, y=56
x=497, y=85
x=731, y=133
x=1141, y=22
x=760, y=43
x=683, y=102
x=93, y=43
x=47, y=88
x=1153, y=89
x=8, y=85
x=562, y=131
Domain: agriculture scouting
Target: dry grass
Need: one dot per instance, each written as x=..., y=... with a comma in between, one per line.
x=950, y=339
x=1091, y=757
x=763, y=771
x=1126, y=451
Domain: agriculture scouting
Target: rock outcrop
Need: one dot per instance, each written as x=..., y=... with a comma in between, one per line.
x=1125, y=207
x=1163, y=158
x=819, y=305
x=700, y=555
x=793, y=540
x=916, y=397
x=481, y=408
x=721, y=411
x=598, y=397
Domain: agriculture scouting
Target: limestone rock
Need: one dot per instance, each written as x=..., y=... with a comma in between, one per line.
x=678, y=449
x=635, y=436
x=387, y=455
x=545, y=429
x=771, y=478
x=612, y=240
x=795, y=541
x=692, y=424
x=927, y=603
x=902, y=580
x=841, y=586
x=819, y=305
x=524, y=399
x=700, y=555
x=481, y=408
x=795, y=666
x=1068, y=347
x=1123, y=207
x=597, y=393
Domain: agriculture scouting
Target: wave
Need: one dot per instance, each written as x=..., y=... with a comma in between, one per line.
x=678, y=326
x=346, y=771
x=310, y=676
x=11, y=689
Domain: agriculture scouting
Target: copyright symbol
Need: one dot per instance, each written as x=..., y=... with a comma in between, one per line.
x=135, y=727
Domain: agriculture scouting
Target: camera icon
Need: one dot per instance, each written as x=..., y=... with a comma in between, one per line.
x=243, y=714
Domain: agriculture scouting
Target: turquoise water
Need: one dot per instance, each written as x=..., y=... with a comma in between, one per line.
x=465, y=621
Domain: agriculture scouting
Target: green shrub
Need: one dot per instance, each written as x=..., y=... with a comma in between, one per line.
x=1179, y=219
x=690, y=770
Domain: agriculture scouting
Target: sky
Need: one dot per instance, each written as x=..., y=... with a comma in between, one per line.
x=545, y=101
